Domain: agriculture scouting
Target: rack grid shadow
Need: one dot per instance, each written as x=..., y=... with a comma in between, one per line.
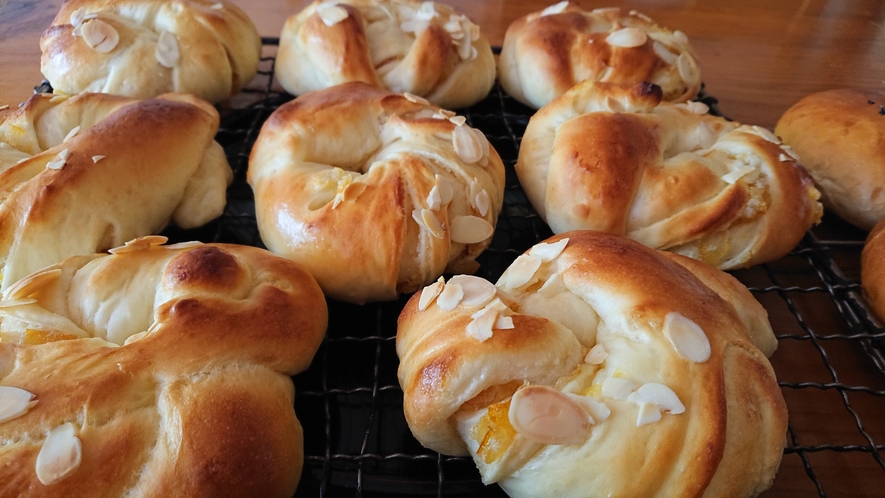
x=357, y=442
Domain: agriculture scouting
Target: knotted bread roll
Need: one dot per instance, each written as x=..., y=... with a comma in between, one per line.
x=155, y=372
x=546, y=53
x=596, y=367
x=83, y=174
x=839, y=136
x=615, y=158
x=144, y=48
x=423, y=48
x=375, y=193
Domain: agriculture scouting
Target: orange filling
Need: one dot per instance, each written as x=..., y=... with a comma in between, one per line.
x=494, y=432
x=33, y=337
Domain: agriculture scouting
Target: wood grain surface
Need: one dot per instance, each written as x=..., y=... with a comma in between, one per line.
x=758, y=57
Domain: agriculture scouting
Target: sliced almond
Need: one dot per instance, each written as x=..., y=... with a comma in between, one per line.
x=687, y=337
x=96, y=159
x=331, y=14
x=60, y=160
x=217, y=6
x=648, y=413
x=733, y=176
x=434, y=199
x=477, y=291
x=446, y=192
x=415, y=99
x=596, y=355
x=481, y=202
x=522, y=271
x=688, y=68
x=77, y=17
x=552, y=286
x=450, y=297
x=14, y=402
x=352, y=191
x=71, y=134
x=680, y=37
x=504, y=323
x=641, y=16
x=617, y=388
x=12, y=303
x=783, y=158
x=599, y=411
x=432, y=223
x=458, y=120
x=659, y=394
x=99, y=35
x=4, y=107
x=140, y=244
x=766, y=134
x=430, y=293
x=27, y=286
x=627, y=38
x=184, y=245
x=665, y=54
x=548, y=251
x=470, y=230
x=789, y=150
x=466, y=144
x=554, y=9
x=480, y=328
x=464, y=49
x=548, y=416
x=167, y=53
x=60, y=454
x=426, y=12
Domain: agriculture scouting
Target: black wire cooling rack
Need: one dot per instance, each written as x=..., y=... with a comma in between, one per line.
x=357, y=443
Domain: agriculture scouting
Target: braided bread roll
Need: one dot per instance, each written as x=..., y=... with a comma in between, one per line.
x=546, y=53
x=83, y=174
x=596, y=367
x=144, y=48
x=423, y=48
x=156, y=371
x=375, y=193
x=616, y=158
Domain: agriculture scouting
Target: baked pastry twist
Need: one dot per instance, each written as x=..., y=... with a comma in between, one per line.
x=839, y=136
x=144, y=48
x=375, y=193
x=616, y=158
x=546, y=53
x=156, y=371
x=596, y=367
x=423, y=48
x=86, y=173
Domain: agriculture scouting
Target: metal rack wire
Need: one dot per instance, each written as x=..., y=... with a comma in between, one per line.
x=357, y=442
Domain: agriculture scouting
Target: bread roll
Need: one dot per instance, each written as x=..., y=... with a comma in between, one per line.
x=86, y=173
x=156, y=371
x=375, y=193
x=423, y=48
x=144, y=48
x=546, y=53
x=616, y=158
x=872, y=274
x=839, y=136
x=596, y=367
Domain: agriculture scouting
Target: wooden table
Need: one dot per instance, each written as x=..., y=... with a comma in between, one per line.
x=757, y=57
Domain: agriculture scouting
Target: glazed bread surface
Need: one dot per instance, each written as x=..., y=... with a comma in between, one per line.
x=597, y=367
x=144, y=48
x=374, y=192
x=423, y=48
x=839, y=136
x=616, y=158
x=157, y=371
x=83, y=174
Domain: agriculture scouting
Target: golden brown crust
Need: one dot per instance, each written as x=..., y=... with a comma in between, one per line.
x=839, y=136
x=402, y=46
x=342, y=178
x=200, y=405
x=615, y=158
x=118, y=180
x=872, y=265
x=546, y=53
x=218, y=47
x=729, y=440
